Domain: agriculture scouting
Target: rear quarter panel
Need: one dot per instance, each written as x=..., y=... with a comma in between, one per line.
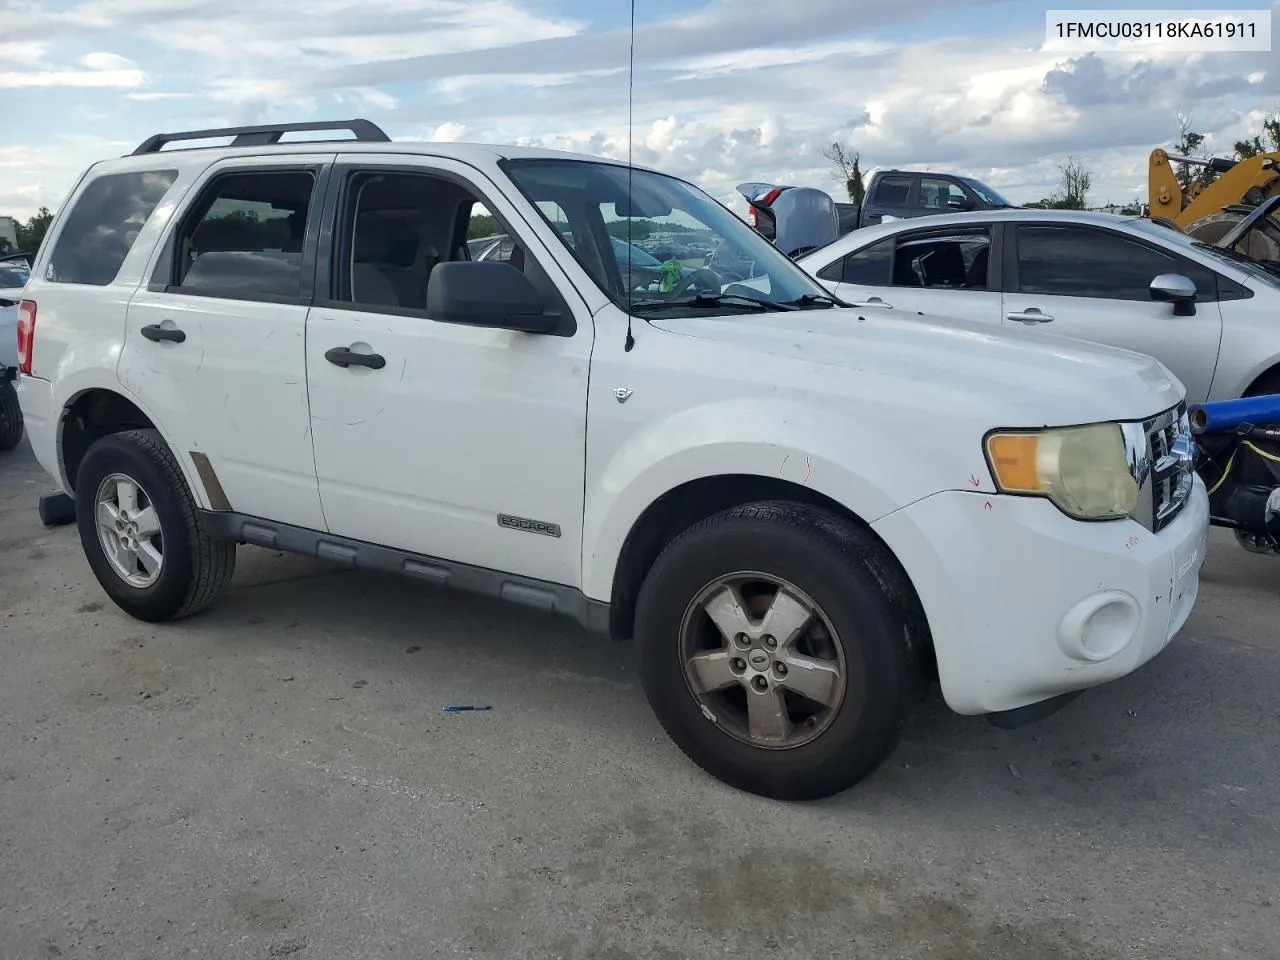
x=1250, y=341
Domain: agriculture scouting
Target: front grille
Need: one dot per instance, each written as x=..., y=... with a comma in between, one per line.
x=1170, y=449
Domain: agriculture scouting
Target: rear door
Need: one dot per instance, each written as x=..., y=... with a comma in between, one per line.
x=1093, y=283
x=217, y=337
x=950, y=272
x=891, y=195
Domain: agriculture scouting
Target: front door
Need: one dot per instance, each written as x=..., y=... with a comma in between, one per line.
x=462, y=443
x=944, y=272
x=215, y=341
x=1091, y=283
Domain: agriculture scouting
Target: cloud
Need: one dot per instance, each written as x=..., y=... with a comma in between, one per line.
x=725, y=90
x=96, y=70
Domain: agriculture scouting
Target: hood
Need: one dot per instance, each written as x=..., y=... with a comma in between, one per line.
x=1009, y=378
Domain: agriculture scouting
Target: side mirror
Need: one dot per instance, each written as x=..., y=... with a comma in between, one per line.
x=1176, y=289
x=959, y=203
x=487, y=294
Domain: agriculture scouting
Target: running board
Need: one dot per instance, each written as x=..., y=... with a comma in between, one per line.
x=549, y=598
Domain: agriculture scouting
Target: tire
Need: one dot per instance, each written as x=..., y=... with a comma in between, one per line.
x=193, y=569
x=1215, y=226
x=1268, y=384
x=11, y=427
x=864, y=625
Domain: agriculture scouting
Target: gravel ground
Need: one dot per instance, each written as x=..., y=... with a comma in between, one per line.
x=275, y=778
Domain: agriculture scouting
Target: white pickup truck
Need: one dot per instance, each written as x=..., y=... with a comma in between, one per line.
x=802, y=512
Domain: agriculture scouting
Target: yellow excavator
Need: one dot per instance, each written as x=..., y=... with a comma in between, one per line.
x=1210, y=212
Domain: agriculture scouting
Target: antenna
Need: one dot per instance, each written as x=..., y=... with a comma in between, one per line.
x=631, y=83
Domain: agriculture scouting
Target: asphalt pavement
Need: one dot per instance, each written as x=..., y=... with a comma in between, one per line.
x=276, y=778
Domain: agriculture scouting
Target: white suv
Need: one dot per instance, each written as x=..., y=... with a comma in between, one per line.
x=802, y=513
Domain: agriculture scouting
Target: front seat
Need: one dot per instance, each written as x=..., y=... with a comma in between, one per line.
x=369, y=282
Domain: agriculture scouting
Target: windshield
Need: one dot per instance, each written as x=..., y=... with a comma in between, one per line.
x=1237, y=260
x=638, y=257
x=14, y=274
x=986, y=193
x=689, y=255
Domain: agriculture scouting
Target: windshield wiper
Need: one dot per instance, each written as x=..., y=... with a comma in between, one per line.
x=814, y=299
x=708, y=300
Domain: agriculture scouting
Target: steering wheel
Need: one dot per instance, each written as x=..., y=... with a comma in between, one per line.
x=702, y=279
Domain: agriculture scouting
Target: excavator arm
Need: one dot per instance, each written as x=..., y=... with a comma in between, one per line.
x=1210, y=212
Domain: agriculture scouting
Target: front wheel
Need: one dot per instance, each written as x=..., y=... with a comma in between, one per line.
x=141, y=533
x=778, y=649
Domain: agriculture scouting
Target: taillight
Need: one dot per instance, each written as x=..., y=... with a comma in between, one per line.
x=768, y=198
x=26, y=334
x=751, y=216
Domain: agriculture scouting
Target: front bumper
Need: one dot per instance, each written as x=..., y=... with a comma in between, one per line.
x=1025, y=603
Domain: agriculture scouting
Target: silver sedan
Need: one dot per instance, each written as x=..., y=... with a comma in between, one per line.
x=1211, y=316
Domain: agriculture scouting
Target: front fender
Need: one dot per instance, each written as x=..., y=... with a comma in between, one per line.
x=870, y=468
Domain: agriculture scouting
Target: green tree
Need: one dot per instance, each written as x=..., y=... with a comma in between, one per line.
x=1266, y=142
x=483, y=226
x=1191, y=144
x=848, y=170
x=31, y=234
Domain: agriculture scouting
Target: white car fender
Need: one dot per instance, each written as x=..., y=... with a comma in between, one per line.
x=763, y=438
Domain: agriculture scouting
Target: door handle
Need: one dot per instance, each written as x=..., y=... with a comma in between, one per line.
x=1030, y=315
x=156, y=333
x=345, y=357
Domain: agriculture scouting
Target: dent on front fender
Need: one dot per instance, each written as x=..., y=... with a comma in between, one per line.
x=857, y=465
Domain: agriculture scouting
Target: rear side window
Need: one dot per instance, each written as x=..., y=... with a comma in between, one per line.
x=244, y=238
x=893, y=191
x=101, y=228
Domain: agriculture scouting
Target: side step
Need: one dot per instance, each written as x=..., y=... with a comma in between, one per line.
x=550, y=598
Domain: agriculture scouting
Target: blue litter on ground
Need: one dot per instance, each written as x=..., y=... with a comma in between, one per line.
x=459, y=708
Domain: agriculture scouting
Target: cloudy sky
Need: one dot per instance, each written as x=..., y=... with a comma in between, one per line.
x=725, y=90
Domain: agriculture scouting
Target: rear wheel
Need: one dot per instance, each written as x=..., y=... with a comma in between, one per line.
x=1214, y=227
x=776, y=649
x=10, y=416
x=140, y=531
x=1268, y=383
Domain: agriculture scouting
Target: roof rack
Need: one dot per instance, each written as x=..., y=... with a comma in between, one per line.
x=364, y=130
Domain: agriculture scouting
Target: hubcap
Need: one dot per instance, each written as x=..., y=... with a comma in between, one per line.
x=129, y=530
x=762, y=660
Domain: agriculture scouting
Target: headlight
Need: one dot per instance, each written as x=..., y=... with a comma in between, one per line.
x=1084, y=471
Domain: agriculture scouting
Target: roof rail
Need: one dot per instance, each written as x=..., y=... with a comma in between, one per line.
x=364, y=130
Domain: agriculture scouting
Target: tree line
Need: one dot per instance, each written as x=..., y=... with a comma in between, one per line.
x=1075, y=179
x=30, y=233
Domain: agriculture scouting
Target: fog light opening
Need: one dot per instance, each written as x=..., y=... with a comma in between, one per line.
x=1099, y=627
